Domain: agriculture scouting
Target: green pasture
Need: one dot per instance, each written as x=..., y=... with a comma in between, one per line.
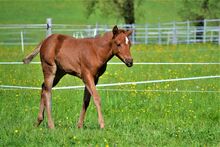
x=73, y=12
x=184, y=113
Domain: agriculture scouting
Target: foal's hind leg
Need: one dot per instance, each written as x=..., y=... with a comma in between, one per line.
x=41, y=111
x=86, y=101
x=49, y=75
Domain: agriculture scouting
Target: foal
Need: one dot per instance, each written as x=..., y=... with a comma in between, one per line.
x=85, y=58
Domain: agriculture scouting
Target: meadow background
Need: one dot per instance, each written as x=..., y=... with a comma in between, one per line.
x=73, y=12
x=181, y=113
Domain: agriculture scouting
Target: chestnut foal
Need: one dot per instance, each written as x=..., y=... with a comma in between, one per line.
x=85, y=58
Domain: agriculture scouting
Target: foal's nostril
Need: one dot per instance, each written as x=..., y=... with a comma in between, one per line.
x=129, y=62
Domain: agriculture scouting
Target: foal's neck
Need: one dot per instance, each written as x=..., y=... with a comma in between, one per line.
x=104, y=47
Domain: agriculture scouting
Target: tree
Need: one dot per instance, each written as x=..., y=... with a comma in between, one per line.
x=200, y=10
x=118, y=8
x=126, y=10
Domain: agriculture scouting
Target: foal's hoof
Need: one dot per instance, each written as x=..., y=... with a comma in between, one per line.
x=51, y=126
x=37, y=123
x=102, y=126
x=79, y=125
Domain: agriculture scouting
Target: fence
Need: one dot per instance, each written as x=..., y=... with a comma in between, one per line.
x=160, y=33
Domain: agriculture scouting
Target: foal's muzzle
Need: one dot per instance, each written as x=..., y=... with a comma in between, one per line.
x=129, y=62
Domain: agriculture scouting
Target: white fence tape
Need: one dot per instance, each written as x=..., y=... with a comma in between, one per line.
x=159, y=90
x=112, y=84
x=137, y=63
x=174, y=32
x=19, y=87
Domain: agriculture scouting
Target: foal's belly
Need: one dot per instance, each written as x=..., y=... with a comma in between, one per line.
x=69, y=62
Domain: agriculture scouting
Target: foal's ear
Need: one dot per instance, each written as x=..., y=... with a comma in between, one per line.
x=115, y=30
x=129, y=32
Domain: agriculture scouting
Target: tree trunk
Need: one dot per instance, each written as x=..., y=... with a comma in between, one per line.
x=199, y=29
x=128, y=12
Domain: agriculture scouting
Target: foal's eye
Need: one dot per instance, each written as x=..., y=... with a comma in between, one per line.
x=118, y=45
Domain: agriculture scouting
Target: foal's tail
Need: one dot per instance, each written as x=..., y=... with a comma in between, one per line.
x=30, y=57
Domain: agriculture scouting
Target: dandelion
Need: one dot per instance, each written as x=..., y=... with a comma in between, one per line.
x=190, y=101
x=59, y=123
x=106, y=141
x=16, y=131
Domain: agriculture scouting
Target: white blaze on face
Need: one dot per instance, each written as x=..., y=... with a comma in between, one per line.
x=126, y=40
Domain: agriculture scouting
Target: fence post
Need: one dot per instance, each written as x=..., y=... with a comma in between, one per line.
x=133, y=34
x=146, y=34
x=211, y=37
x=204, y=31
x=174, y=33
x=218, y=35
x=106, y=28
x=159, y=34
x=49, y=27
x=96, y=30
x=188, y=32
x=195, y=40
x=88, y=31
x=168, y=38
x=22, y=42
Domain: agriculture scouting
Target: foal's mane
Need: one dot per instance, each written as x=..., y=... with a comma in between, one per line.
x=107, y=34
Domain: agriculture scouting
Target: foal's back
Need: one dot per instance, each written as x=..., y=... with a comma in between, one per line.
x=69, y=53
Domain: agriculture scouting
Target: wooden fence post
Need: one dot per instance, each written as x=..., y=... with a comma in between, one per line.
x=49, y=27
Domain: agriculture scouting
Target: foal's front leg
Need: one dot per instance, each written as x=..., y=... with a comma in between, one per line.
x=90, y=85
x=86, y=100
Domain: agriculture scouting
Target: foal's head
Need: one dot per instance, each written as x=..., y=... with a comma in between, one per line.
x=121, y=45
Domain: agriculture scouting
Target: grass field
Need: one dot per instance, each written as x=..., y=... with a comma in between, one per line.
x=73, y=12
x=187, y=115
